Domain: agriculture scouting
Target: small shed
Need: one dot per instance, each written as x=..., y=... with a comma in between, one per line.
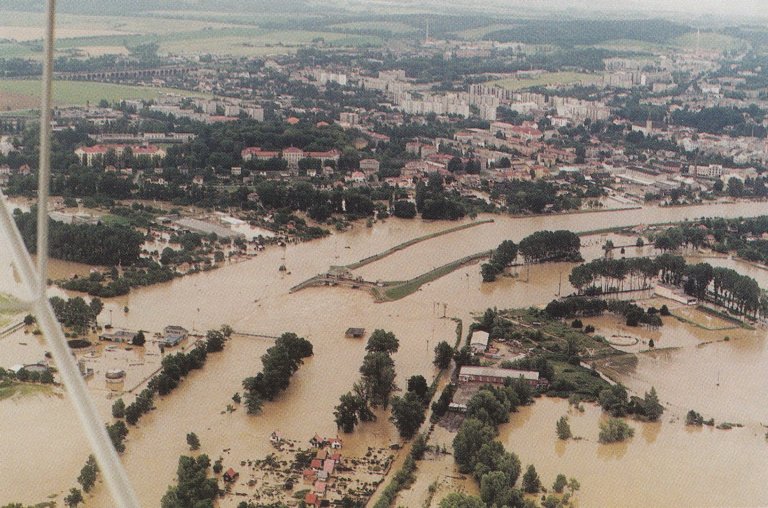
x=231, y=475
x=479, y=341
x=355, y=333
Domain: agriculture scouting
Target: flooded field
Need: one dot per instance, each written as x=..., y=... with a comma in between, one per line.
x=253, y=297
x=664, y=464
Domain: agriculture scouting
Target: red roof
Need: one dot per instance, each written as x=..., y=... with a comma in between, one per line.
x=293, y=120
x=322, y=155
x=145, y=150
x=316, y=464
x=311, y=498
x=293, y=149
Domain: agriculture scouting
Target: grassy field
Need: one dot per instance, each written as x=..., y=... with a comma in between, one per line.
x=259, y=42
x=10, y=389
x=23, y=94
x=65, y=23
x=395, y=27
x=709, y=41
x=547, y=79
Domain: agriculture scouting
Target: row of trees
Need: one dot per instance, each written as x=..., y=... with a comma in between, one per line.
x=722, y=286
x=604, y=275
x=377, y=381
x=279, y=363
x=98, y=244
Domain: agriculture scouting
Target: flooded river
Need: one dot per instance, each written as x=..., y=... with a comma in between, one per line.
x=253, y=296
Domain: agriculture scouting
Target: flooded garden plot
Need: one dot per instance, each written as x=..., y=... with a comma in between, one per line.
x=292, y=471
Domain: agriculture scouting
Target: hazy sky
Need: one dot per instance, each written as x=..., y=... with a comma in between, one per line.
x=712, y=7
x=680, y=9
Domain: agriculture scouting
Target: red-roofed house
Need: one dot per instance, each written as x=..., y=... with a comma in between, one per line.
x=312, y=499
x=316, y=464
x=330, y=155
x=231, y=475
x=319, y=488
x=356, y=177
x=292, y=120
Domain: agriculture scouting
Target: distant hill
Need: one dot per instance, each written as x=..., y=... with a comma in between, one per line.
x=138, y=7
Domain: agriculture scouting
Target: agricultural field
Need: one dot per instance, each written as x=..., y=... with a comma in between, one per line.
x=394, y=27
x=24, y=94
x=260, y=43
x=547, y=79
x=709, y=41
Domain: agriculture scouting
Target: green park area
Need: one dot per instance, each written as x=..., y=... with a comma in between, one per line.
x=25, y=94
x=547, y=79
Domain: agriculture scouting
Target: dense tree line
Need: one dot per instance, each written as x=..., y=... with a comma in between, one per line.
x=722, y=286
x=714, y=120
x=434, y=202
x=97, y=284
x=476, y=450
x=193, y=489
x=278, y=365
x=549, y=246
x=586, y=306
x=98, y=244
x=522, y=196
x=75, y=313
x=581, y=32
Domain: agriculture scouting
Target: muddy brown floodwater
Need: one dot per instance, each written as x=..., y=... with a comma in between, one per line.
x=668, y=464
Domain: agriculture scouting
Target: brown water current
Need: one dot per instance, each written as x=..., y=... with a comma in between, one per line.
x=253, y=296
